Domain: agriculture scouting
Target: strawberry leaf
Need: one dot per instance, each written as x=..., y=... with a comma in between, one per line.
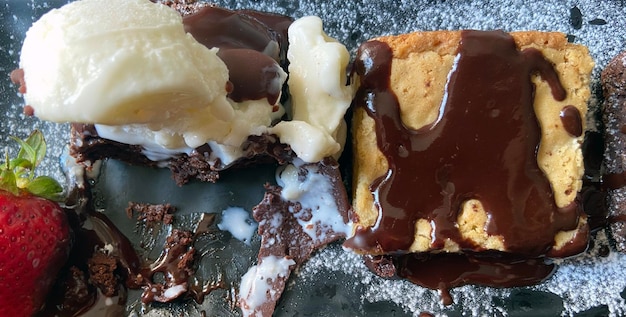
x=20, y=162
x=18, y=174
x=7, y=181
x=26, y=151
x=33, y=148
x=46, y=187
x=38, y=144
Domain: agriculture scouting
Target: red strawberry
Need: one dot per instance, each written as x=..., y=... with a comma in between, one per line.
x=34, y=232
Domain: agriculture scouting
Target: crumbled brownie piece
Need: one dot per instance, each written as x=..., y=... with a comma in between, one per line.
x=102, y=273
x=86, y=146
x=380, y=265
x=197, y=165
x=151, y=213
x=291, y=232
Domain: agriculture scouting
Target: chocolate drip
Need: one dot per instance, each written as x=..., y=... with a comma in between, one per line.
x=481, y=147
x=445, y=270
x=572, y=122
x=249, y=46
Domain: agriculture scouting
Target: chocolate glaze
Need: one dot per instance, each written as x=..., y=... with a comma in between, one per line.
x=482, y=147
x=248, y=45
x=226, y=29
x=469, y=153
x=175, y=264
x=593, y=194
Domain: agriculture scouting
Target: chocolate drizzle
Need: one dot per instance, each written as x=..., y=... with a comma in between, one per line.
x=572, y=122
x=482, y=146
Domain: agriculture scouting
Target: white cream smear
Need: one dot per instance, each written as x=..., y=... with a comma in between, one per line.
x=257, y=284
x=314, y=192
x=236, y=220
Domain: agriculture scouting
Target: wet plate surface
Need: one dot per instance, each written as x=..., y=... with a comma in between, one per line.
x=335, y=282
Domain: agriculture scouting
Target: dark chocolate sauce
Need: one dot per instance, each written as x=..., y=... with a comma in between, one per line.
x=251, y=44
x=95, y=232
x=593, y=195
x=174, y=264
x=226, y=29
x=467, y=153
x=246, y=85
x=572, y=122
x=495, y=269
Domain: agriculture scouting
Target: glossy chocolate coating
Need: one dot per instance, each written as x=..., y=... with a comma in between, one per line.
x=248, y=45
x=483, y=146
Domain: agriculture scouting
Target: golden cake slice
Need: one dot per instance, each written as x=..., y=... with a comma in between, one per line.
x=470, y=141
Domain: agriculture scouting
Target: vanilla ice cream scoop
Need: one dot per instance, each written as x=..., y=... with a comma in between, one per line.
x=86, y=62
x=130, y=68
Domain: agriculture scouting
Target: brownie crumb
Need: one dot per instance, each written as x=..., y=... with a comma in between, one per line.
x=17, y=77
x=151, y=213
x=102, y=273
x=197, y=165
